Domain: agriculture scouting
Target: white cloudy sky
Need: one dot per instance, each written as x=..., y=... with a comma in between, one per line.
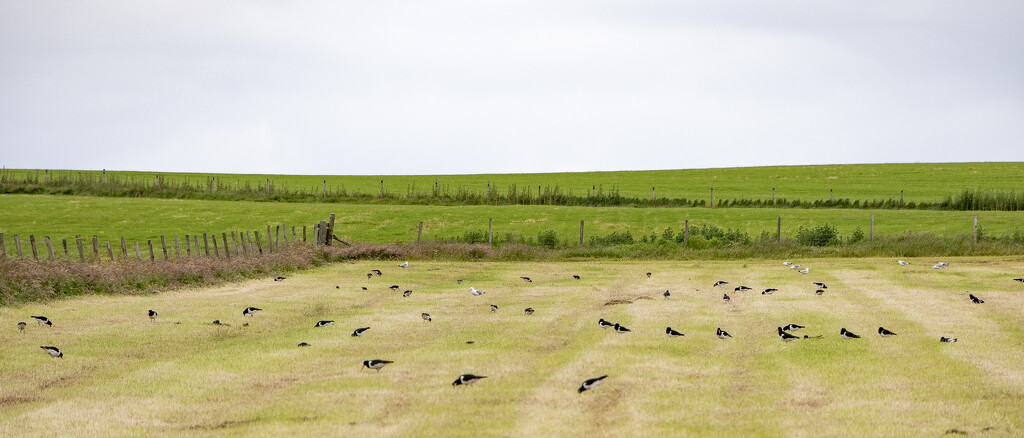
x=382, y=87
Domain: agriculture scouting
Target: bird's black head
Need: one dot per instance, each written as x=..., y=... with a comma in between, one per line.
x=581, y=389
x=49, y=323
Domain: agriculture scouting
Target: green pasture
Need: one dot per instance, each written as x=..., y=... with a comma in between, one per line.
x=180, y=375
x=920, y=182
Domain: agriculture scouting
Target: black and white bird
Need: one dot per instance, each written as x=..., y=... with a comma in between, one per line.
x=279, y=278
x=786, y=336
x=494, y=308
x=620, y=329
x=475, y=291
x=527, y=279
x=250, y=311
x=903, y=263
x=792, y=327
x=1019, y=279
x=945, y=339
x=359, y=331
x=576, y=277
x=375, y=364
x=846, y=334
x=591, y=383
x=406, y=293
x=152, y=314
x=323, y=323
x=812, y=337
x=741, y=288
x=604, y=324
x=394, y=287
x=377, y=271
x=426, y=317
x=364, y=287
x=820, y=285
x=459, y=281
x=404, y=265
x=722, y=334
x=819, y=292
x=467, y=379
x=528, y=310
x=769, y=291
x=369, y=275
x=719, y=283
x=672, y=333
x=303, y=344
x=41, y=320
x=805, y=271
x=885, y=333
x=53, y=351
x=976, y=300
x=21, y=326
x=726, y=297
x=648, y=275
x=666, y=294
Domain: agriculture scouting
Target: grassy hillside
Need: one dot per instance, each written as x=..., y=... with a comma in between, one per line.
x=920, y=182
x=181, y=376
x=140, y=219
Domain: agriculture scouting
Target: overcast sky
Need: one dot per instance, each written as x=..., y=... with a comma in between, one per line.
x=381, y=87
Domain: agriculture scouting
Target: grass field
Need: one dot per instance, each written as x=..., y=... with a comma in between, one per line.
x=181, y=376
x=920, y=182
x=140, y=219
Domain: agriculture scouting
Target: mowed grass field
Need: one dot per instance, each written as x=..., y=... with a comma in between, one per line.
x=123, y=375
x=919, y=181
x=141, y=218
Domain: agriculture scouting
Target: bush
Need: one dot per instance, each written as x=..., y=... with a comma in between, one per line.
x=548, y=239
x=822, y=235
x=614, y=238
x=857, y=235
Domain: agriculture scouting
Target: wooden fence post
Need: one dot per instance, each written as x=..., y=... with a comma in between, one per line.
x=49, y=248
x=581, y=234
x=110, y=251
x=124, y=248
x=35, y=254
x=67, y=254
x=152, y=257
x=975, y=230
x=901, y=198
x=216, y=253
x=17, y=245
x=419, y=234
x=778, y=230
x=268, y=186
x=773, y=195
x=96, y=246
x=538, y=193
x=163, y=245
x=652, y=194
x=284, y=235
x=488, y=189
x=829, y=195
x=330, y=231
x=304, y=234
x=227, y=249
x=195, y=240
x=213, y=184
x=104, y=176
x=188, y=246
x=177, y=247
x=325, y=189
x=381, y=188
x=293, y=233
x=321, y=233
x=3, y=247
x=258, y=245
x=712, y=197
x=81, y=252
x=871, y=231
x=490, y=232
x=206, y=244
x=138, y=252
x=686, y=233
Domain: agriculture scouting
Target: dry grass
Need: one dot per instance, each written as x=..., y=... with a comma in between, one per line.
x=182, y=376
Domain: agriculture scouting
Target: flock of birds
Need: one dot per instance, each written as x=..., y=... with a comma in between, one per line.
x=785, y=332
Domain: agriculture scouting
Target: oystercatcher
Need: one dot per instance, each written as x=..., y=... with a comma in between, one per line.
x=529, y=310
x=278, y=278
x=666, y=295
x=819, y=292
x=722, y=334
x=43, y=320
x=527, y=279
x=620, y=329
x=885, y=333
x=976, y=300
x=303, y=344
x=359, y=331
x=377, y=271
x=945, y=339
x=812, y=337
x=1019, y=279
x=672, y=333
x=903, y=263
x=476, y=292
x=467, y=379
x=250, y=311
x=846, y=334
x=494, y=308
x=725, y=297
x=21, y=326
x=406, y=293
x=785, y=336
x=53, y=351
x=741, y=289
x=152, y=314
x=576, y=277
x=719, y=283
x=323, y=323
x=591, y=383
x=820, y=285
x=648, y=275
x=369, y=275
x=792, y=327
x=375, y=364
x=404, y=265
x=394, y=287
x=459, y=281
x=604, y=324
x=426, y=317
x=364, y=287
x=769, y=291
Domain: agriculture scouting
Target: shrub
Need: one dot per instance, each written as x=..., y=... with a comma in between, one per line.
x=548, y=239
x=822, y=235
x=857, y=235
